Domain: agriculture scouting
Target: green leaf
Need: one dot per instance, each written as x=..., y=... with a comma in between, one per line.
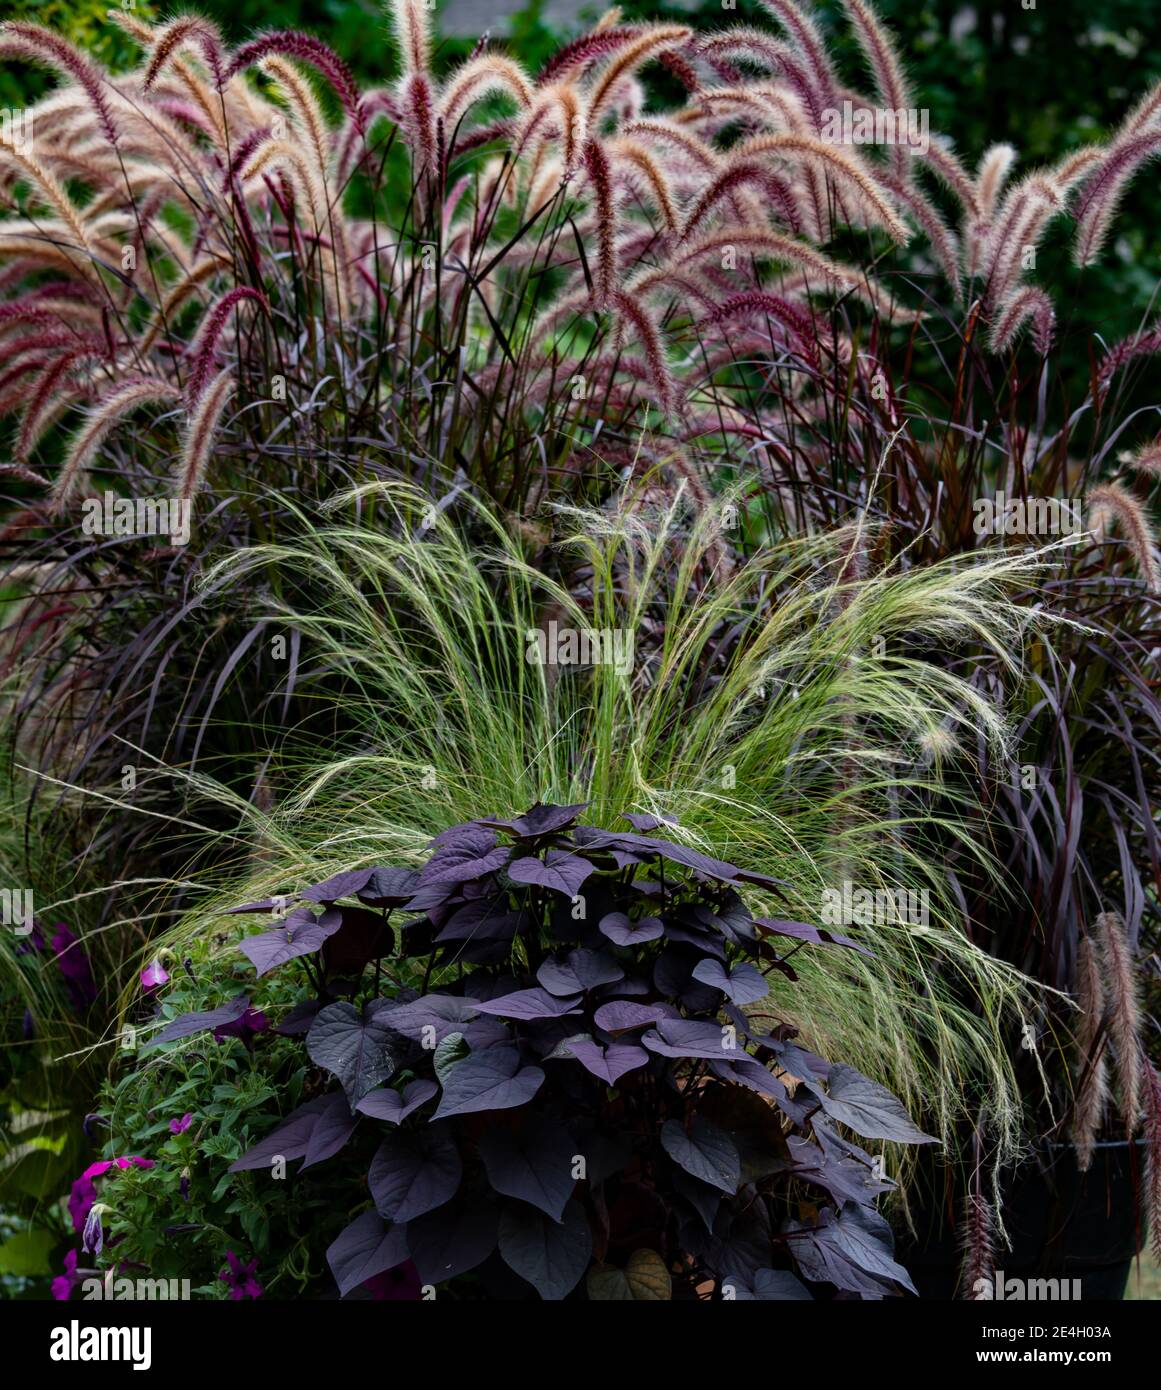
x=452, y=1049
x=27, y=1253
x=645, y=1279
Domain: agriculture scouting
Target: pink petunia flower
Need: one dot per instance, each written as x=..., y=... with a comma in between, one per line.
x=154, y=975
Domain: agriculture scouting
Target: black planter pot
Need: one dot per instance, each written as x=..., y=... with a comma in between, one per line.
x=1083, y=1229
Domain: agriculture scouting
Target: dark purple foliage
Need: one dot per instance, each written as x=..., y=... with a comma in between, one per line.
x=558, y=1071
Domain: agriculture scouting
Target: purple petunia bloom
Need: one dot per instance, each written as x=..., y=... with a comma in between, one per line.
x=154, y=976
x=82, y=1197
x=62, y=1285
x=71, y=960
x=84, y=1191
x=246, y=1026
x=93, y=1236
x=75, y=966
x=180, y=1126
x=240, y=1277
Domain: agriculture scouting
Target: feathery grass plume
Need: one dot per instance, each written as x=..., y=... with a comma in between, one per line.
x=761, y=241
x=100, y=421
x=738, y=176
x=1124, y=1013
x=306, y=115
x=806, y=37
x=205, y=345
x=1151, y=1095
x=1102, y=191
x=666, y=132
x=631, y=154
x=1071, y=169
x=947, y=167
x=977, y=1243
x=1141, y=344
x=1027, y=302
x=1093, y=1091
x=56, y=198
x=579, y=52
x=804, y=332
x=304, y=48
x=565, y=102
x=991, y=176
x=411, y=22
x=21, y=40
x=645, y=46
x=940, y=237
x=481, y=78
x=832, y=161
x=634, y=313
x=886, y=69
x=51, y=396
x=1147, y=459
x=1146, y=112
x=1018, y=227
x=184, y=31
x=596, y=163
x=1110, y=503
x=417, y=102
x=205, y=416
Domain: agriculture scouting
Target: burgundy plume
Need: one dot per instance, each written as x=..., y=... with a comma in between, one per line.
x=291, y=43
x=211, y=331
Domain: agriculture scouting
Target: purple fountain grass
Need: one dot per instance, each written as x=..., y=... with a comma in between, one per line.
x=977, y=1242
x=1110, y=504
x=1093, y=1089
x=1124, y=1013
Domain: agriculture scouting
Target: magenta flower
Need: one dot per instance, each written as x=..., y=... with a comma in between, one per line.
x=180, y=1126
x=240, y=1277
x=82, y=1197
x=62, y=1285
x=154, y=975
x=84, y=1192
x=71, y=960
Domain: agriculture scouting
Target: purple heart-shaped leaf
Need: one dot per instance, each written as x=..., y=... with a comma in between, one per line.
x=367, y=1247
x=413, y=1172
x=493, y=1079
x=560, y=870
x=622, y=932
x=528, y=1004
x=742, y=985
x=394, y=1106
